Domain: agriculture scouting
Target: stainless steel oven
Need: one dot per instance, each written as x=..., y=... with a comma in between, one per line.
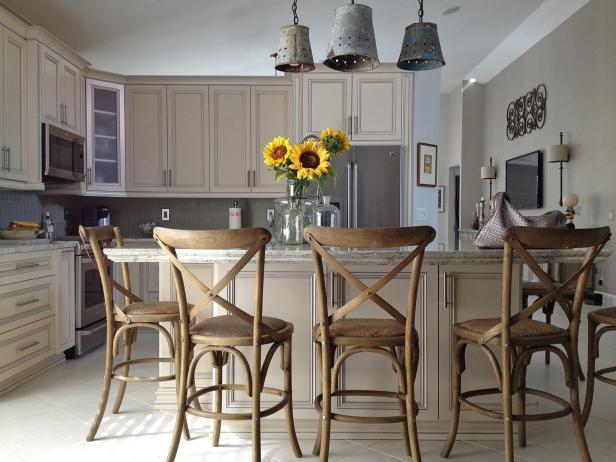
x=90, y=319
x=63, y=155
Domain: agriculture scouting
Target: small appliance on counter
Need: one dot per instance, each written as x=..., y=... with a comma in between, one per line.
x=96, y=216
x=235, y=216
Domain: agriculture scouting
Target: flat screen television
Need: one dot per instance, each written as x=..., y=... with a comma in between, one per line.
x=525, y=181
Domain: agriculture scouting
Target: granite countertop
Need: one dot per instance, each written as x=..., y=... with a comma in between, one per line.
x=35, y=245
x=277, y=253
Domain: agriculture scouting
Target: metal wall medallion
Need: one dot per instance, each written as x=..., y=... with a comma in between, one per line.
x=527, y=113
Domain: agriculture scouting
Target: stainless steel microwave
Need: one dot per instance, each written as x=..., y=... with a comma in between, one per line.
x=63, y=155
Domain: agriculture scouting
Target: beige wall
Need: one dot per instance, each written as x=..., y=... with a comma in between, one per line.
x=577, y=64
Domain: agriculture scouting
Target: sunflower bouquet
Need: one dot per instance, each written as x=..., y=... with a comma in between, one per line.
x=308, y=161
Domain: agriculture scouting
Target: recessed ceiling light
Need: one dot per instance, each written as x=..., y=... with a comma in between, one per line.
x=472, y=80
x=452, y=10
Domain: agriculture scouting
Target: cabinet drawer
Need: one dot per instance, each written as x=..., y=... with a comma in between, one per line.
x=20, y=348
x=21, y=301
x=22, y=270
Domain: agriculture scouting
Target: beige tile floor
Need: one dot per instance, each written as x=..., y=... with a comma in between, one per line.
x=47, y=420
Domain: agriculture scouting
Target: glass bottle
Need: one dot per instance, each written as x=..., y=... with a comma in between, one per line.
x=327, y=214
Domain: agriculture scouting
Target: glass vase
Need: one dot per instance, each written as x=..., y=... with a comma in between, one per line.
x=293, y=213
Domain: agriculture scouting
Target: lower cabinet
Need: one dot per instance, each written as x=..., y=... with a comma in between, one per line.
x=37, y=312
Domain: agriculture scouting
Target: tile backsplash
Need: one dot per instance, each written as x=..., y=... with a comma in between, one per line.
x=128, y=213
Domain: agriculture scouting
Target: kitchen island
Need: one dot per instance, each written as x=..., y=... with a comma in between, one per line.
x=454, y=286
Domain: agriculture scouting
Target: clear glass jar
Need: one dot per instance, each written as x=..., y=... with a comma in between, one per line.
x=293, y=213
x=327, y=214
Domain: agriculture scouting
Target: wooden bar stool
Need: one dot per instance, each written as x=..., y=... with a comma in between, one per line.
x=124, y=322
x=394, y=338
x=606, y=316
x=221, y=335
x=518, y=337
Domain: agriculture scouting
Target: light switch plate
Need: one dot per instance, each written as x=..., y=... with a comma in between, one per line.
x=421, y=214
x=610, y=215
x=164, y=214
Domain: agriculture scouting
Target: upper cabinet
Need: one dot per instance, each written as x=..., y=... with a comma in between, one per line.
x=367, y=106
x=13, y=106
x=326, y=102
x=105, y=135
x=231, y=169
x=146, y=138
x=188, y=162
x=60, y=83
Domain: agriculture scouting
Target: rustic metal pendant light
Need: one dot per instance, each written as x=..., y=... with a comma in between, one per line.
x=352, y=46
x=295, y=52
x=421, y=48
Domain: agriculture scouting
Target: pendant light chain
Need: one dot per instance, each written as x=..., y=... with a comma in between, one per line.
x=421, y=11
x=294, y=9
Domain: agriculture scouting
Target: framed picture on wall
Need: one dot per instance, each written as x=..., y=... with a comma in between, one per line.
x=426, y=164
x=440, y=198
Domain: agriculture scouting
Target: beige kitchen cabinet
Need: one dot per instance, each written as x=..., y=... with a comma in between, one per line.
x=327, y=101
x=146, y=138
x=188, y=163
x=464, y=294
x=243, y=119
x=271, y=116
x=230, y=146
x=377, y=102
x=60, y=83
x=105, y=136
x=366, y=106
x=65, y=292
x=13, y=106
x=374, y=372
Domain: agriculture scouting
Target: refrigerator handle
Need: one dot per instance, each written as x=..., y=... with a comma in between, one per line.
x=349, y=194
x=355, y=188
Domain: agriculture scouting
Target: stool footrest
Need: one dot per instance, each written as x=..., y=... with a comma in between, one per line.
x=133, y=362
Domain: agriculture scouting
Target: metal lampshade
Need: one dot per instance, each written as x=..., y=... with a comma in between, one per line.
x=295, y=52
x=352, y=46
x=421, y=48
x=488, y=173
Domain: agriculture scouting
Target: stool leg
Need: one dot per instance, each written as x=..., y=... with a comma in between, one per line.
x=326, y=403
x=180, y=418
x=404, y=426
x=288, y=388
x=522, y=405
x=578, y=426
x=106, y=387
x=256, y=401
x=317, y=442
x=507, y=404
x=593, y=354
x=548, y=310
x=411, y=414
x=128, y=344
x=459, y=351
x=178, y=367
x=217, y=361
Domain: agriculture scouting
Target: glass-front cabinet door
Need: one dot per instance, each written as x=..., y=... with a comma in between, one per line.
x=105, y=135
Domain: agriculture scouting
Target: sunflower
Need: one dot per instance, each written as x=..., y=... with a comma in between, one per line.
x=277, y=151
x=335, y=141
x=310, y=160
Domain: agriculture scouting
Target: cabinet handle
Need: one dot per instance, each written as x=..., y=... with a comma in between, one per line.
x=169, y=177
x=254, y=178
x=8, y=157
x=3, y=158
x=62, y=112
x=164, y=177
x=335, y=301
x=29, y=302
x=28, y=346
x=21, y=266
x=445, y=291
x=89, y=176
x=65, y=114
x=356, y=124
x=248, y=178
x=350, y=122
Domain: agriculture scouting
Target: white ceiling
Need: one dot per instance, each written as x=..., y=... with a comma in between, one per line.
x=236, y=37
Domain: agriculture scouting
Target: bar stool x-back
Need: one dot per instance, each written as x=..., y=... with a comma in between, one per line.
x=517, y=337
x=221, y=335
x=394, y=338
x=124, y=322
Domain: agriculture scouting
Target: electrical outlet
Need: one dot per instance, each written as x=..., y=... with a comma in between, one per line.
x=164, y=214
x=610, y=215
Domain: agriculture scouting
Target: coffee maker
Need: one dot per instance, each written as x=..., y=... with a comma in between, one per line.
x=96, y=216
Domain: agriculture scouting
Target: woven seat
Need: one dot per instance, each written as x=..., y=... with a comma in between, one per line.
x=523, y=330
x=162, y=311
x=604, y=316
x=214, y=330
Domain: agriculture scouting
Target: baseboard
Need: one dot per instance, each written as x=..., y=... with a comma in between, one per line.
x=27, y=375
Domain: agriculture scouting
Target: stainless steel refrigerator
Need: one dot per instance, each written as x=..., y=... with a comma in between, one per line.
x=368, y=187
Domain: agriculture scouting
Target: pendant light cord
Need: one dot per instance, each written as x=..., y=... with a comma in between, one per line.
x=421, y=11
x=294, y=9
